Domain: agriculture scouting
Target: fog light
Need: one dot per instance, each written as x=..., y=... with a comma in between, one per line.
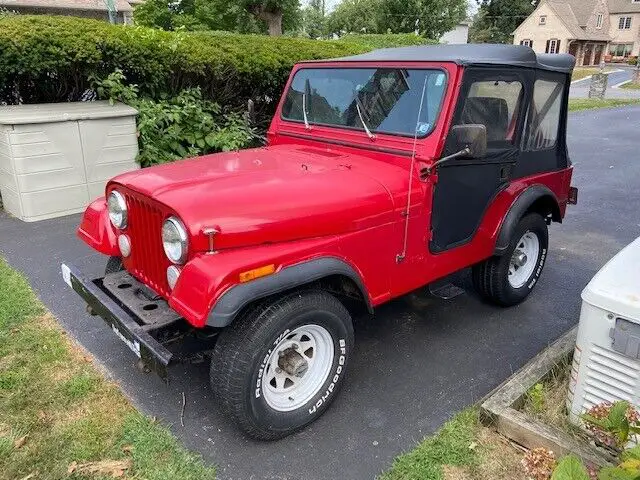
x=125, y=245
x=173, y=273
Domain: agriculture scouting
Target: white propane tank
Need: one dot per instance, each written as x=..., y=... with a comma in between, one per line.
x=606, y=362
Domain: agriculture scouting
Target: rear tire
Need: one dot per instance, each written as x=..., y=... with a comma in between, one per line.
x=279, y=365
x=508, y=279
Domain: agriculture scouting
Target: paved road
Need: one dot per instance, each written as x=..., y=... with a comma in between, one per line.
x=622, y=73
x=417, y=362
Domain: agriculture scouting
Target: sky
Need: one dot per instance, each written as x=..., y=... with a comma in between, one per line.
x=473, y=6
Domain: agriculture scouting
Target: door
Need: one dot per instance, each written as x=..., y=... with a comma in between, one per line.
x=598, y=54
x=573, y=49
x=588, y=51
x=466, y=187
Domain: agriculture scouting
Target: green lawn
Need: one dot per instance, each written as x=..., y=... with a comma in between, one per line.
x=580, y=73
x=461, y=450
x=576, y=104
x=631, y=86
x=59, y=418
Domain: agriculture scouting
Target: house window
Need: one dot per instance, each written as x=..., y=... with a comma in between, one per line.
x=545, y=114
x=527, y=43
x=621, y=49
x=553, y=46
x=543, y=19
x=599, y=20
x=624, y=23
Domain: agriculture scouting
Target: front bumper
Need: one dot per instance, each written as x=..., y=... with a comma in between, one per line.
x=150, y=351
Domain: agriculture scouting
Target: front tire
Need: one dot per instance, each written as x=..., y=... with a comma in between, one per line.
x=508, y=279
x=279, y=366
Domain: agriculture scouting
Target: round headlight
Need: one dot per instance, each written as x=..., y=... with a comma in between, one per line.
x=174, y=240
x=117, y=209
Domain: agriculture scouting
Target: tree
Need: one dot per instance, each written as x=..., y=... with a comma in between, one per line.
x=274, y=13
x=355, y=16
x=314, y=20
x=431, y=18
x=497, y=19
x=246, y=16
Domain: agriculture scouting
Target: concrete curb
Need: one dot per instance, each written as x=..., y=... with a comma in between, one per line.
x=501, y=409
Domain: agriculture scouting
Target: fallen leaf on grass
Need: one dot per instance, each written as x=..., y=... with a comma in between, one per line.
x=19, y=443
x=127, y=448
x=115, y=468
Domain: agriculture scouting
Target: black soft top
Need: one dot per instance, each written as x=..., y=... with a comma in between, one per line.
x=473, y=54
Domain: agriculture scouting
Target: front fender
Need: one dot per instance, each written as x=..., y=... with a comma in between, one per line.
x=208, y=291
x=95, y=229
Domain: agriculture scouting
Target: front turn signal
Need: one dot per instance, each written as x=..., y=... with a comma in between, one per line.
x=257, y=273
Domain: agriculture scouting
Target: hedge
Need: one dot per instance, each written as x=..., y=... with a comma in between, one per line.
x=51, y=59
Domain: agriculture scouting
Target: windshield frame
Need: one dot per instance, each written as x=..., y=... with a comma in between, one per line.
x=380, y=65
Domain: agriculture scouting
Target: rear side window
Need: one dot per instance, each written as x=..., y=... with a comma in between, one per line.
x=495, y=104
x=545, y=114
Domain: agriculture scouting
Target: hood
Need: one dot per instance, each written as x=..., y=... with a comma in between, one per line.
x=271, y=194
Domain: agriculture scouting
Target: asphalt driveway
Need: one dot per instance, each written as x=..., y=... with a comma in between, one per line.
x=621, y=73
x=417, y=362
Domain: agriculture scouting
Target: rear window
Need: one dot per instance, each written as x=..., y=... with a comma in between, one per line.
x=386, y=100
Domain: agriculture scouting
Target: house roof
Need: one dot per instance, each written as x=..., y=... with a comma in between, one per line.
x=470, y=54
x=623, y=6
x=564, y=9
x=99, y=5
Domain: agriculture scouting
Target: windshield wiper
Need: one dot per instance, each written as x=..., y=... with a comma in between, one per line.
x=307, y=88
x=364, y=124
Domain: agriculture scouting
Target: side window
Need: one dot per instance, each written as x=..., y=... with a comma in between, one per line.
x=495, y=104
x=545, y=113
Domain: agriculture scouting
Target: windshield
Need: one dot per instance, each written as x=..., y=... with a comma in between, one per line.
x=382, y=100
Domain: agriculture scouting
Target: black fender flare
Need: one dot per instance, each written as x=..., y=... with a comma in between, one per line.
x=239, y=296
x=524, y=201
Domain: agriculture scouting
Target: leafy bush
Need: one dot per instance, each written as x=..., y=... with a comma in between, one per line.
x=633, y=60
x=375, y=41
x=612, y=426
x=177, y=127
x=51, y=59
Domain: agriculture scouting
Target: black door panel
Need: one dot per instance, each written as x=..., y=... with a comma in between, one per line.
x=462, y=195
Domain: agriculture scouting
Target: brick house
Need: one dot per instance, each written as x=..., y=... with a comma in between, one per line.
x=98, y=9
x=588, y=29
x=625, y=28
x=579, y=27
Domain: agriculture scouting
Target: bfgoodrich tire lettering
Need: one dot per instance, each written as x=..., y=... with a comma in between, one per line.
x=241, y=365
x=491, y=277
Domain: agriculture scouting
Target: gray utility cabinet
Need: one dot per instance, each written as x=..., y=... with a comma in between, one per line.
x=55, y=158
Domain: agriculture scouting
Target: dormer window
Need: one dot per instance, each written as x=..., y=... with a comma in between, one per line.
x=543, y=19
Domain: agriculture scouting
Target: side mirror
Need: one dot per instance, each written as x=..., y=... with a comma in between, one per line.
x=472, y=137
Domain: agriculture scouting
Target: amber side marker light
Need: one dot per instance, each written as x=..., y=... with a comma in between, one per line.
x=257, y=273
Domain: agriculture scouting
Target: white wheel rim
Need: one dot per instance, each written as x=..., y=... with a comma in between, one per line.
x=310, y=348
x=524, y=260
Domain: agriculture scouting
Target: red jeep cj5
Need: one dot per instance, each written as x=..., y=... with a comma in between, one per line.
x=383, y=173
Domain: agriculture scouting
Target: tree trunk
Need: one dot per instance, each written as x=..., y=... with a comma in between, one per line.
x=272, y=19
x=274, y=22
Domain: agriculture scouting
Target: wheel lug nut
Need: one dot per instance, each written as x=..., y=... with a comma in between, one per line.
x=295, y=346
x=278, y=370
